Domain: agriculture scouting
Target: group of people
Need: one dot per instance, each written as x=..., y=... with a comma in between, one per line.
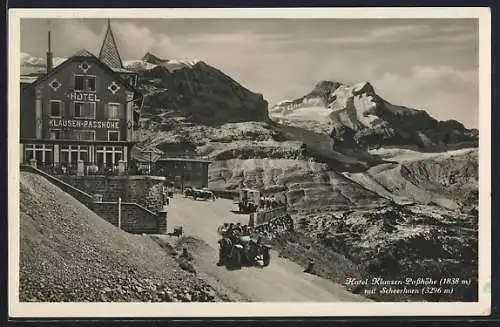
x=231, y=230
x=95, y=169
x=274, y=227
x=271, y=202
x=268, y=230
x=165, y=196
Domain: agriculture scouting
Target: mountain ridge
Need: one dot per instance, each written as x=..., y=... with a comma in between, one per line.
x=356, y=116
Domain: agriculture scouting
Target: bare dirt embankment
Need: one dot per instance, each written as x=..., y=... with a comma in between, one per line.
x=69, y=254
x=447, y=179
x=311, y=186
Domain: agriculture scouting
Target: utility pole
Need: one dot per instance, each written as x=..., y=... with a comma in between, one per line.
x=119, y=213
x=150, y=162
x=182, y=177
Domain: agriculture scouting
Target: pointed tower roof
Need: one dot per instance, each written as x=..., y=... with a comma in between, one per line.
x=109, y=51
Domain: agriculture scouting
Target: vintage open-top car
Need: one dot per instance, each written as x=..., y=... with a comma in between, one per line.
x=203, y=194
x=188, y=191
x=249, y=200
x=237, y=250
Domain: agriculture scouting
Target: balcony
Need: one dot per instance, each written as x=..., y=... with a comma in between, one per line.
x=82, y=168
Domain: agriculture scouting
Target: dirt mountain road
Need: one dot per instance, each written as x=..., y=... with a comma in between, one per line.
x=282, y=281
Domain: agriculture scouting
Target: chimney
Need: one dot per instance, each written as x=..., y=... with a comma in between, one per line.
x=49, y=54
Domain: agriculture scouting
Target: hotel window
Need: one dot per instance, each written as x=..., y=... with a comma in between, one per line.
x=108, y=154
x=55, y=134
x=55, y=108
x=79, y=83
x=73, y=153
x=84, y=110
x=85, y=135
x=40, y=152
x=85, y=83
x=91, y=83
x=113, y=136
x=113, y=111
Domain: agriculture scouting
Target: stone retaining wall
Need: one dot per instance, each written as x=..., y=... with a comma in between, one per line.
x=134, y=218
x=143, y=190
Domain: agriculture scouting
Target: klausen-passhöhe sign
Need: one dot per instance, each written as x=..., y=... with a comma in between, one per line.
x=83, y=123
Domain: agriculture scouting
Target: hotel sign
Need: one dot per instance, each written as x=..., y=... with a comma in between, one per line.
x=83, y=96
x=83, y=123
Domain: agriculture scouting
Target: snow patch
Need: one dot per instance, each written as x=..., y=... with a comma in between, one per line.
x=283, y=103
x=138, y=64
x=359, y=86
x=170, y=65
x=173, y=65
x=405, y=155
x=28, y=60
x=310, y=113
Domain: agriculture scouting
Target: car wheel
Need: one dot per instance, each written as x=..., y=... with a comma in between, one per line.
x=236, y=258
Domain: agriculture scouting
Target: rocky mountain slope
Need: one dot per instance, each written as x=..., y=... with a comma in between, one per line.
x=393, y=242
x=198, y=92
x=354, y=115
x=448, y=180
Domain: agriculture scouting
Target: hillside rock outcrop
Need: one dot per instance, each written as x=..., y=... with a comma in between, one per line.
x=396, y=242
x=310, y=186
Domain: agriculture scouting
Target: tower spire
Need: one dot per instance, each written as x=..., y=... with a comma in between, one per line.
x=109, y=53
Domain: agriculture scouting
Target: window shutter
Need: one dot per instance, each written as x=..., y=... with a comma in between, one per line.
x=72, y=109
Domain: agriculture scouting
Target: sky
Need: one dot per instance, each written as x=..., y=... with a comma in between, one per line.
x=419, y=63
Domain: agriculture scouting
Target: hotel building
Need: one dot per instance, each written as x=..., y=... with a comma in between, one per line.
x=84, y=110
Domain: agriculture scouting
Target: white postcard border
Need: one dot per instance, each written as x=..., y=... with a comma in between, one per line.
x=271, y=309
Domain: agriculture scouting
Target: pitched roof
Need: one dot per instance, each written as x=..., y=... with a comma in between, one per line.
x=109, y=51
x=122, y=70
x=88, y=57
x=83, y=53
x=27, y=79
